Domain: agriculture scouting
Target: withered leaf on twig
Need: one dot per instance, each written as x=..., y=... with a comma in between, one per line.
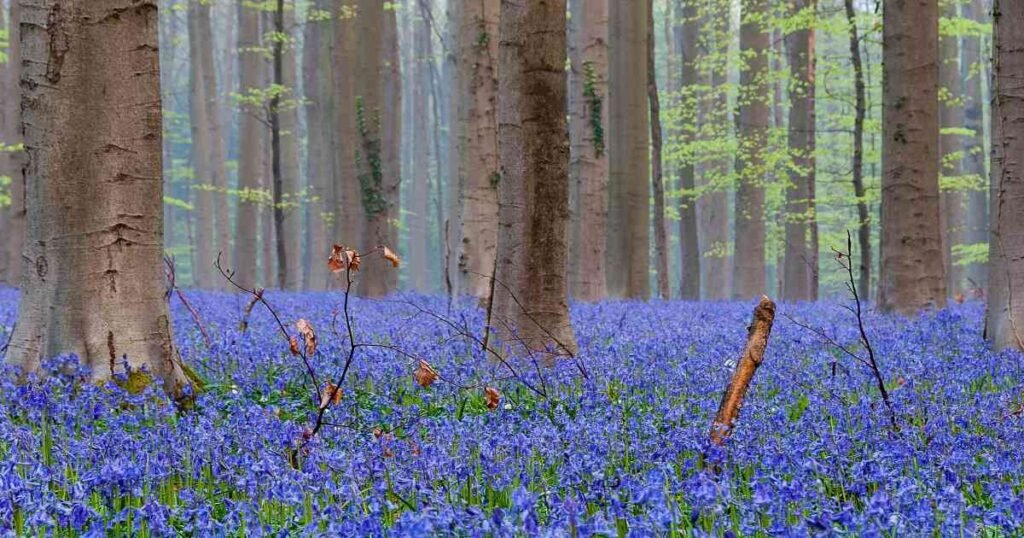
x=492, y=397
x=331, y=395
x=390, y=256
x=293, y=345
x=342, y=258
x=305, y=328
x=425, y=375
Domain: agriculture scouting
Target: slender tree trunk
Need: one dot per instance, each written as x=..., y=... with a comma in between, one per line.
x=7, y=94
x=657, y=172
x=203, y=271
x=1006, y=263
x=801, y=248
x=350, y=216
x=478, y=88
x=530, y=302
x=441, y=145
x=391, y=116
x=290, y=236
x=93, y=143
x=973, y=71
x=456, y=150
x=753, y=123
x=318, y=72
x=951, y=116
x=629, y=220
x=250, y=170
x=860, y=112
x=588, y=165
x=216, y=154
x=686, y=32
x=419, y=224
x=912, y=276
x=280, y=235
x=15, y=221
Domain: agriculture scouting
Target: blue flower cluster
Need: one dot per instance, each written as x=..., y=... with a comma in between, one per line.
x=620, y=452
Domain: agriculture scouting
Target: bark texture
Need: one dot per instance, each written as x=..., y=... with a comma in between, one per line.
x=530, y=301
x=686, y=35
x=758, y=332
x=753, y=123
x=1006, y=263
x=92, y=124
x=912, y=276
x=478, y=90
x=588, y=162
x=800, y=271
x=629, y=220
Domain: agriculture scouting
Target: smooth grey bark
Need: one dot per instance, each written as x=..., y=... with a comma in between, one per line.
x=419, y=223
x=318, y=73
x=251, y=134
x=973, y=73
x=10, y=162
x=686, y=36
x=203, y=273
x=93, y=137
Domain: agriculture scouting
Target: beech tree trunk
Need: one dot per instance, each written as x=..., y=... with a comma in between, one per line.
x=951, y=116
x=860, y=112
x=657, y=172
x=203, y=272
x=973, y=72
x=318, y=73
x=753, y=123
x=686, y=34
x=6, y=170
x=250, y=135
x=530, y=302
x=912, y=276
x=799, y=280
x=350, y=216
x=478, y=197
x=629, y=220
x=92, y=119
x=419, y=209
x=588, y=164
x=14, y=221
x=291, y=239
x=392, y=143
x=1006, y=262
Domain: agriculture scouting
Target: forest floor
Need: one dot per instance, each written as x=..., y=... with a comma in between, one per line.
x=620, y=450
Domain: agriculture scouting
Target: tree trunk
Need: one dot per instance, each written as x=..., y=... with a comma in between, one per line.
x=1006, y=263
x=391, y=73
x=753, y=123
x=530, y=301
x=951, y=116
x=250, y=169
x=588, y=166
x=92, y=120
x=657, y=172
x=419, y=223
x=860, y=112
x=350, y=215
x=203, y=272
x=801, y=248
x=629, y=220
x=291, y=238
x=912, y=276
x=973, y=72
x=455, y=118
x=10, y=162
x=686, y=33
x=478, y=88
x=318, y=72
x=7, y=94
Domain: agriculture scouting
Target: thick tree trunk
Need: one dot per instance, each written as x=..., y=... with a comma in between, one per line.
x=657, y=172
x=860, y=112
x=973, y=72
x=629, y=220
x=753, y=124
x=530, y=301
x=250, y=168
x=10, y=162
x=289, y=139
x=686, y=34
x=588, y=166
x=419, y=209
x=951, y=116
x=713, y=207
x=478, y=88
x=1005, y=320
x=349, y=214
x=318, y=72
x=912, y=276
x=800, y=282
x=203, y=272
x=92, y=121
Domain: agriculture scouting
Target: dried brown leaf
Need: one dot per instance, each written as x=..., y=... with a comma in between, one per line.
x=342, y=258
x=425, y=375
x=331, y=395
x=492, y=397
x=293, y=345
x=305, y=328
x=390, y=256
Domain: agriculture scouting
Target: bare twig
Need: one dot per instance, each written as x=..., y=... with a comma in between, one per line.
x=173, y=286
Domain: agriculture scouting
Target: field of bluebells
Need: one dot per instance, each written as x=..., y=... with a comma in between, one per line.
x=622, y=451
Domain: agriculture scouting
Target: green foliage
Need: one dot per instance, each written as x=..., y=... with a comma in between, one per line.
x=594, y=106
x=970, y=254
x=371, y=170
x=5, y=191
